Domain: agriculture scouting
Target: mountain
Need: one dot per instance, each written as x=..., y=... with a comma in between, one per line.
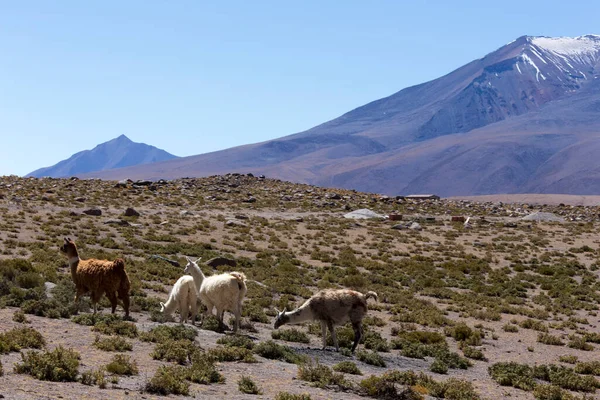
x=524, y=118
x=117, y=153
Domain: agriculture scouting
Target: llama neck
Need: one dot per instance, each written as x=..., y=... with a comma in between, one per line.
x=73, y=263
x=170, y=305
x=197, y=275
x=300, y=315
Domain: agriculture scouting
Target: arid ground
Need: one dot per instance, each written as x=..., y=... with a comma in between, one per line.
x=499, y=307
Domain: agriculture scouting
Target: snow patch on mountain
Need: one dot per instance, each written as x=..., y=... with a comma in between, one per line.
x=588, y=45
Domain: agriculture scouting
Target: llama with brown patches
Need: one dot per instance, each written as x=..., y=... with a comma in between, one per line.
x=331, y=307
x=98, y=277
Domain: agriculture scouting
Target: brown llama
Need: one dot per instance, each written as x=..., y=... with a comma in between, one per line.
x=98, y=277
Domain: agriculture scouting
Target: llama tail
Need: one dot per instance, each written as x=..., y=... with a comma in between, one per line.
x=240, y=276
x=241, y=280
x=119, y=269
x=119, y=264
x=371, y=294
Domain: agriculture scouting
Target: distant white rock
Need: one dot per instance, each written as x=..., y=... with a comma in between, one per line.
x=363, y=213
x=543, y=216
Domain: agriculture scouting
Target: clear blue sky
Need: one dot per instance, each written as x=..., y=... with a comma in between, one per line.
x=191, y=77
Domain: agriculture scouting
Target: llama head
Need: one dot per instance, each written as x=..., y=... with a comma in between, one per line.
x=68, y=248
x=281, y=319
x=190, y=263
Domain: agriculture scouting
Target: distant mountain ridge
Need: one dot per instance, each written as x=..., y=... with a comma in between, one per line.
x=117, y=153
x=524, y=118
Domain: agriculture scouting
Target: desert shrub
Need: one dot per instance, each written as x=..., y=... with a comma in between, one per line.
x=203, y=369
x=255, y=312
x=108, y=324
x=248, y=386
x=292, y=396
x=458, y=389
x=347, y=367
x=510, y=328
x=512, y=374
x=94, y=377
x=236, y=341
x=231, y=353
x=21, y=338
x=19, y=316
x=438, y=366
x=473, y=353
x=210, y=323
x=551, y=392
x=169, y=380
x=579, y=343
x=569, y=359
x=59, y=365
x=274, y=351
x=1, y=369
x=546, y=338
x=290, y=335
x=424, y=337
x=122, y=365
x=179, y=351
x=565, y=377
x=112, y=344
x=371, y=358
x=166, y=332
x=374, y=341
x=321, y=375
x=533, y=324
x=46, y=307
x=588, y=368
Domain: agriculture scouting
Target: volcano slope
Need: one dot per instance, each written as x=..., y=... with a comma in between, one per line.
x=502, y=307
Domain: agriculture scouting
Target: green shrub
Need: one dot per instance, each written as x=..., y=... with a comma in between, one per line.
x=236, y=341
x=374, y=341
x=551, y=392
x=546, y=338
x=569, y=359
x=274, y=351
x=347, y=367
x=19, y=316
x=458, y=389
x=179, y=351
x=533, y=324
x=112, y=344
x=321, y=375
x=473, y=353
x=580, y=343
x=230, y=353
x=59, y=365
x=588, y=368
x=291, y=396
x=248, y=386
x=438, y=366
x=1, y=369
x=372, y=358
x=94, y=377
x=122, y=365
x=169, y=380
x=510, y=328
x=512, y=374
x=290, y=335
x=165, y=332
x=21, y=338
x=210, y=323
x=203, y=369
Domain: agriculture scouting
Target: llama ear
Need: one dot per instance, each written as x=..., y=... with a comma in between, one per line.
x=278, y=312
x=66, y=240
x=199, y=258
x=189, y=259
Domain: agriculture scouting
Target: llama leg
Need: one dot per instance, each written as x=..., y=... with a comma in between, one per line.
x=238, y=315
x=123, y=295
x=194, y=307
x=324, y=333
x=183, y=309
x=112, y=297
x=220, y=318
x=333, y=336
x=357, y=326
x=96, y=296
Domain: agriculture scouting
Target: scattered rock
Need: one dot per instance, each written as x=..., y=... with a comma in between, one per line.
x=543, y=217
x=363, y=213
x=80, y=199
x=218, y=261
x=250, y=200
x=241, y=216
x=395, y=217
x=185, y=213
x=93, y=211
x=49, y=286
x=130, y=212
x=415, y=226
x=233, y=222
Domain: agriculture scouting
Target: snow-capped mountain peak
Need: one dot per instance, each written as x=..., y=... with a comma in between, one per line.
x=588, y=45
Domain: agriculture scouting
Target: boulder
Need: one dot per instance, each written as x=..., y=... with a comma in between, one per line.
x=93, y=211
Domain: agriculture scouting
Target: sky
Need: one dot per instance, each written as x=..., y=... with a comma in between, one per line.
x=192, y=77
